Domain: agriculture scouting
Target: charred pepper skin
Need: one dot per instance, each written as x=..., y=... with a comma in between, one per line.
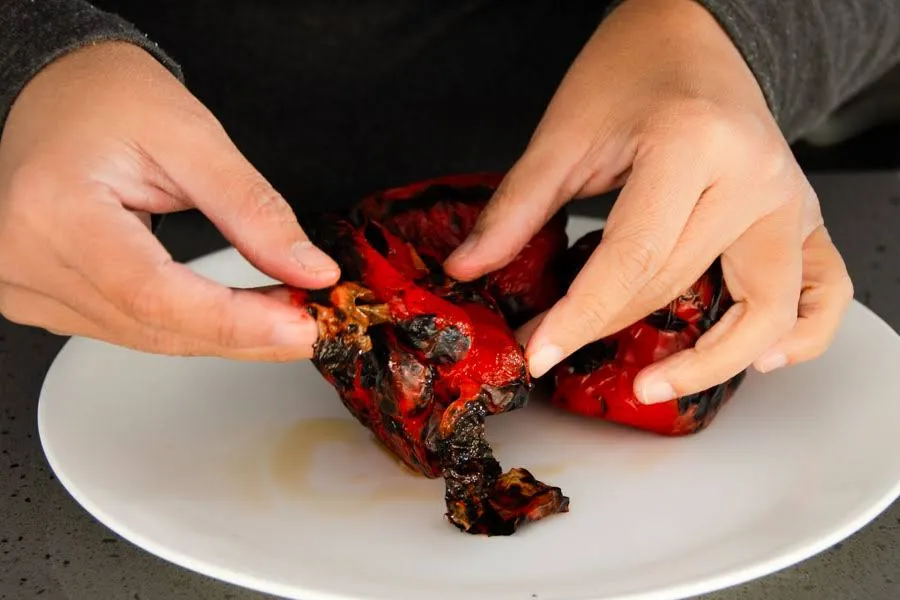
x=422, y=360
x=597, y=380
x=437, y=215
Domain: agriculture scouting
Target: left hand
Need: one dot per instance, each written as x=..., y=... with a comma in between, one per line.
x=661, y=100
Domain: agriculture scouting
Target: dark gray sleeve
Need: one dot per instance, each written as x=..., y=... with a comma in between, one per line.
x=35, y=32
x=811, y=56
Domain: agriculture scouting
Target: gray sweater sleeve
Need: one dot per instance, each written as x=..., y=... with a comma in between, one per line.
x=811, y=56
x=35, y=32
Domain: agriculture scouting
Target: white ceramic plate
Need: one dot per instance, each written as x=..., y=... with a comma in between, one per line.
x=256, y=475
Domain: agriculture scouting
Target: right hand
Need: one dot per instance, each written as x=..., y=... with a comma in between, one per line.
x=97, y=141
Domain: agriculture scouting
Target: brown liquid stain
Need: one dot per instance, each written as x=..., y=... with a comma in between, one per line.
x=545, y=472
x=292, y=465
x=289, y=465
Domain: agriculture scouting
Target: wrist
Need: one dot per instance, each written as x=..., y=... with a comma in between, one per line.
x=36, y=34
x=97, y=63
x=683, y=24
x=94, y=83
x=685, y=37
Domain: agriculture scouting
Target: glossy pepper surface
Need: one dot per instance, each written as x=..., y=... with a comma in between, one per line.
x=422, y=360
x=597, y=380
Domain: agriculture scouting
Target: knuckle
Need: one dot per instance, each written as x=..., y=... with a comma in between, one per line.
x=196, y=120
x=784, y=318
x=699, y=120
x=714, y=132
x=814, y=347
x=220, y=325
x=226, y=332
x=767, y=150
x=811, y=209
x=590, y=313
x=145, y=301
x=699, y=125
x=845, y=290
x=773, y=162
x=144, y=304
x=665, y=288
x=639, y=258
x=158, y=341
x=261, y=200
x=9, y=308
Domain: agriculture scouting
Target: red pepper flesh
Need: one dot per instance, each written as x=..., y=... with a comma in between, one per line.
x=597, y=380
x=437, y=215
x=421, y=359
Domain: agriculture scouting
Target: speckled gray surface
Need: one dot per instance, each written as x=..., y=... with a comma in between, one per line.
x=52, y=549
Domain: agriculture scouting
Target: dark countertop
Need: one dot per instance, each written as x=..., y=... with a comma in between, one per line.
x=50, y=548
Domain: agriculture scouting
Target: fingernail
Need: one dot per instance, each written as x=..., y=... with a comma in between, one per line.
x=656, y=391
x=314, y=260
x=771, y=361
x=296, y=333
x=543, y=359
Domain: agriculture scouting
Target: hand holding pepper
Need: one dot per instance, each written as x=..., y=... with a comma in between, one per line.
x=661, y=100
x=98, y=140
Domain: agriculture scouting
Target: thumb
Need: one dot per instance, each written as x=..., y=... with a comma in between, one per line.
x=219, y=181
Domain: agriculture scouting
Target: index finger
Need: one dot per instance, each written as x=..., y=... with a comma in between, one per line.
x=219, y=181
x=642, y=230
x=131, y=269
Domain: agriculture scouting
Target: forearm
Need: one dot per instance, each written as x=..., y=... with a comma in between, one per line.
x=33, y=33
x=811, y=56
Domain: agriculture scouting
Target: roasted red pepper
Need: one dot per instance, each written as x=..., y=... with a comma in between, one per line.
x=422, y=360
x=597, y=380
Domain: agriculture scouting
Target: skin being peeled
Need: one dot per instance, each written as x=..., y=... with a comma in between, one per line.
x=422, y=359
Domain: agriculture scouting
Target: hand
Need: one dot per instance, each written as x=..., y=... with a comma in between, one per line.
x=661, y=100
x=95, y=142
